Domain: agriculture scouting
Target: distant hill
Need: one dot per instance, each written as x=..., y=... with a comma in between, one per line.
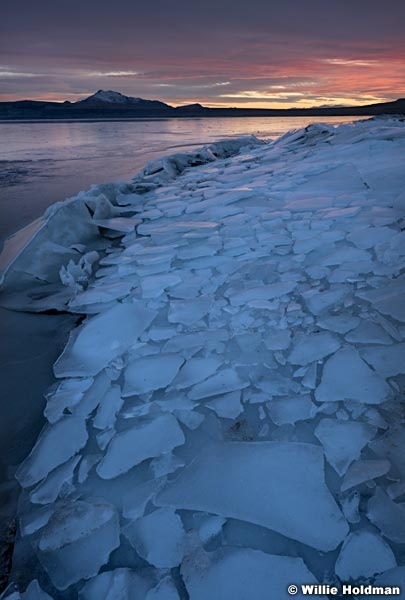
x=104, y=105
x=113, y=99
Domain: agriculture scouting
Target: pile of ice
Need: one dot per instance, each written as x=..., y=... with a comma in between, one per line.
x=227, y=418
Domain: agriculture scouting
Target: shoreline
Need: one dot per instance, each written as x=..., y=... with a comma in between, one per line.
x=243, y=302
x=186, y=117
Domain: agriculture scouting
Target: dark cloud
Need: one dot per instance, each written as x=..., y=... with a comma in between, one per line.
x=77, y=46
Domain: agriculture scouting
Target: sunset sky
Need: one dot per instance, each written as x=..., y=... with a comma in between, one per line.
x=256, y=53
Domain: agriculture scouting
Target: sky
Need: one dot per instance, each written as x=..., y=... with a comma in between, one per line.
x=248, y=53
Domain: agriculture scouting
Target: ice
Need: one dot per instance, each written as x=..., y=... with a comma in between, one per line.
x=278, y=339
x=157, y=334
x=56, y=445
x=15, y=245
x=350, y=507
x=374, y=418
x=170, y=230
x=63, y=225
x=387, y=361
x=173, y=401
x=227, y=406
x=397, y=243
x=10, y=593
x=363, y=554
x=310, y=378
x=120, y=224
x=154, y=285
x=186, y=290
x=394, y=578
x=147, y=439
x=138, y=251
x=389, y=327
x=67, y=395
x=391, y=446
x=364, y=470
x=151, y=373
x=111, y=332
x=291, y=410
x=347, y=377
x=339, y=323
x=165, y=464
x=190, y=419
x=137, y=498
x=103, y=438
x=316, y=272
x=94, y=394
x=369, y=333
x=209, y=248
x=344, y=255
x=312, y=347
x=58, y=482
x=110, y=405
x=209, y=527
x=199, y=339
x=226, y=380
x=264, y=292
x=77, y=541
x=86, y=465
x=370, y=236
x=278, y=385
x=395, y=490
x=260, y=300
x=159, y=538
x=240, y=485
x=387, y=515
x=196, y=370
x=250, y=350
x=188, y=312
x=151, y=266
x=388, y=299
x=319, y=302
x=100, y=295
x=76, y=275
x=120, y=584
x=343, y=441
x=164, y=590
x=242, y=573
x=35, y=519
x=35, y=592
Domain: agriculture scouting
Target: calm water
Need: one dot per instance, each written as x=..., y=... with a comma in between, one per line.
x=42, y=163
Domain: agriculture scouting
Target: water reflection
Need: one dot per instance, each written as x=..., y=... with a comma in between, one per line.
x=47, y=162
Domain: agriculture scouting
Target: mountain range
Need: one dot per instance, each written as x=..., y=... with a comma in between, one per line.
x=114, y=105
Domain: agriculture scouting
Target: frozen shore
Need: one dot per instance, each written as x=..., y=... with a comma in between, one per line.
x=227, y=419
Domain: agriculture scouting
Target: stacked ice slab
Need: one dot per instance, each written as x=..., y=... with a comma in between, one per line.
x=227, y=418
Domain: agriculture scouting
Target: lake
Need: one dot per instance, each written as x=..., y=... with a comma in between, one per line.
x=45, y=162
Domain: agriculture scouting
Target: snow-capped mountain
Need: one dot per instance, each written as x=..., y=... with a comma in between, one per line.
x=109, y=97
